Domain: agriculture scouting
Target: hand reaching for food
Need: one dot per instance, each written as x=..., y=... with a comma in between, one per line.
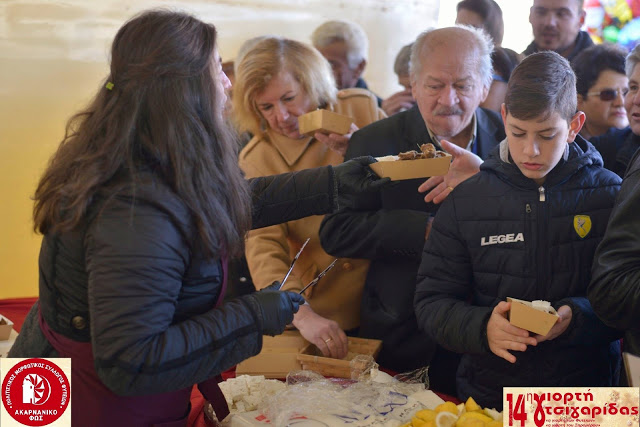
x=321, y=332
x=465, y=164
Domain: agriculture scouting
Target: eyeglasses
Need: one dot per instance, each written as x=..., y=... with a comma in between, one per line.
x=609, y=94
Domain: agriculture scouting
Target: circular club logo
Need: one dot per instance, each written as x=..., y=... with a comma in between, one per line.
x=35, y=392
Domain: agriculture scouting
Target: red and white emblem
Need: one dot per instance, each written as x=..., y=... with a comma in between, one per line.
x=36, y=392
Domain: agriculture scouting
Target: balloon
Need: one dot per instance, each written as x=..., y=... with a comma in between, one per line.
x=610, y=34
x=635, y=7
x=618, y=9
x=630, y=34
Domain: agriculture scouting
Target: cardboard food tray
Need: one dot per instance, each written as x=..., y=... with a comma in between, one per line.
x=409, y=169
x=524, y=316
x=311, y=358
x=324, y=121
x=277, y=358
x=6, y=326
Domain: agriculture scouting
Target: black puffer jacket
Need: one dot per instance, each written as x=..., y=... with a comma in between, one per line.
x=617, y=148
x=467, y=269
x=614, y=291
x=149, y=311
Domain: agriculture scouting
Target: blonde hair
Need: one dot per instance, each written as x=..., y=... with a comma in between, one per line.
x=265, y=60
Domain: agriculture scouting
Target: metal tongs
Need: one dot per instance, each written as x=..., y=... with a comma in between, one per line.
x=317, y=279
x=293, y=262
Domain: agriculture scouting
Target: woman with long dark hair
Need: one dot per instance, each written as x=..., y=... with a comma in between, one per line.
x=140, y=208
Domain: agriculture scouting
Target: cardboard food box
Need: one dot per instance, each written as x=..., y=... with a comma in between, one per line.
x=6, y=326
x=277, y=358
x=311, y=358
x=324, y=121
x=524, y=316
x=409, y=169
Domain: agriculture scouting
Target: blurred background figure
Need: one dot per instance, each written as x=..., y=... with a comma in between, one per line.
x=227, y=68
x=556, y=26
x=401, y=66
x=487, y=15
x=278, y=80
x=503, y=61
x=346, y=47
x=402, y=100
x=601, y=85
x=484, y=14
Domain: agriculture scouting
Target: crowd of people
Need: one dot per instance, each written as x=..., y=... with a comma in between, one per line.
x=173, y=173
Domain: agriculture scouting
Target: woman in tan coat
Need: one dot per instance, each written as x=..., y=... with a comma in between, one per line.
x=277, y=81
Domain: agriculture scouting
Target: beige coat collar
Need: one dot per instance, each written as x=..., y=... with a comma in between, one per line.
x=290, y=149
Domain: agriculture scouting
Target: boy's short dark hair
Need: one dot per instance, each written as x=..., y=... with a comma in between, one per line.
x=542, y=84
x=591, y=62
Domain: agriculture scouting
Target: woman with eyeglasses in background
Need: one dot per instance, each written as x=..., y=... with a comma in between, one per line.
x=601, y=85
x=617, y=146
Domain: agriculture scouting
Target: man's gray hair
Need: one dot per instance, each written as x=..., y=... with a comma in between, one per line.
x=479, y=40
x=348, y=32
x=632, y=60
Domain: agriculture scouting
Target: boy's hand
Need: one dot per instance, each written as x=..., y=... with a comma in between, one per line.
x=561, y=325
x=503, y=336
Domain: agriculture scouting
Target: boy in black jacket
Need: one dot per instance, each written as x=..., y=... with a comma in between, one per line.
x=526, y=227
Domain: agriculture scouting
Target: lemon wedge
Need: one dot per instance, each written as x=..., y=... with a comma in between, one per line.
x=471, y=405
x=447, y=407
x=446, y=419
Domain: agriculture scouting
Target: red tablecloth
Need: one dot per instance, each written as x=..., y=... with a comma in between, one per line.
x=16, y=310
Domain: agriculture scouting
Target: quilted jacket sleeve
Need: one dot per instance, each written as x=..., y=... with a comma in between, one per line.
x=376, y=233
x=614, y=291
x=444, y=287
x=290, y=196
x=136, y=260
x=585, y=327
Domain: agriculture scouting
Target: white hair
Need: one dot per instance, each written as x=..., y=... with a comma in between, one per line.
x=632, y=60
x=348, y=32
x=481, y=42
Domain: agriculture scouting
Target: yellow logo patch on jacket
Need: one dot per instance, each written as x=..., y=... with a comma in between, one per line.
x=582, y=225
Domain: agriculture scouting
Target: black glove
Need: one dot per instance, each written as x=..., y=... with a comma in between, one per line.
x=276, y=307
x=354, y=179
x=275, y=286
